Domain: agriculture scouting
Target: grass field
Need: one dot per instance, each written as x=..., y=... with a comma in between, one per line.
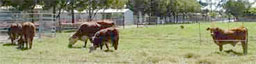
x=163, y=44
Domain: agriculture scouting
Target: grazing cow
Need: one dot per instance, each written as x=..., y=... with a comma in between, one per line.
x=103, y=36
x=87, y=30
x=232, y=36
x=14, y=32
x=28, y=33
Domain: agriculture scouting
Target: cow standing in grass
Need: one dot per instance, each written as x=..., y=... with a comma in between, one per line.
x=14, y=32
x=28, y=33
x=87, y=30
x=105, y=36
x=232, y=36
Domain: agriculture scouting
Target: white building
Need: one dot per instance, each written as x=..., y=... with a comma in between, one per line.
x=120, y=16
x=117, y=15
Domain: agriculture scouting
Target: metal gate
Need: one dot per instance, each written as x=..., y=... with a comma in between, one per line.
x=45, y=23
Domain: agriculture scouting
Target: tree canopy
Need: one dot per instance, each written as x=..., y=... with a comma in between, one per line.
x=235, y=8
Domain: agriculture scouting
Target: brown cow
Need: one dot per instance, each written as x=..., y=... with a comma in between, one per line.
x=14, y=32
x=232, y=36
x=87, y=30
x=103, y=36
x=28, y=33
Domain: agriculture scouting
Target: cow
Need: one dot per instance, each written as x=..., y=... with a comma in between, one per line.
x=14, y=32
x=28, y=33
x=87, y=30
x=231, y=36
x=105, y=36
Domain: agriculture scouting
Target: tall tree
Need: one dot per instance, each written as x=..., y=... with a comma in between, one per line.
x=22, y=5
x=235, y=8
x=93, y=6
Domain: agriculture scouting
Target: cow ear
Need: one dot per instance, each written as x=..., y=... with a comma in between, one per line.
x=208, y=28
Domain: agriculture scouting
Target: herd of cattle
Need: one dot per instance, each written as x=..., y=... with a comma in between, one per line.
x=99, y=32
x=104, y=32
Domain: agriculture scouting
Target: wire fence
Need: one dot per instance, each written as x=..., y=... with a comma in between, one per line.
x=45, y=23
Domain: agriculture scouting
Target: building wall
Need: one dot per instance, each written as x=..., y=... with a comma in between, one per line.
x=128, y=16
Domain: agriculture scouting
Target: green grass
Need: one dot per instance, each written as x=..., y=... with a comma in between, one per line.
x=163, y=44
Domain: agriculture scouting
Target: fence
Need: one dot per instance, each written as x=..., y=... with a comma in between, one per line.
x=45, y=22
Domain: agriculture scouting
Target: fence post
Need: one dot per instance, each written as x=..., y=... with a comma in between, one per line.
x=199, y=30
x=123, y=21
x=40, y=26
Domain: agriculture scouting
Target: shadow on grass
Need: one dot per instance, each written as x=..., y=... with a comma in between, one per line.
x=75, y=47
x=108, y=50
x=24, y=49
x=234, y=52
x=9, y=44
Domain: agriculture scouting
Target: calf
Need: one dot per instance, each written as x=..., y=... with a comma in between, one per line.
x=28, y=33
x=232, y=36
x=14, y=32
x=87, y=30
x=103, y=36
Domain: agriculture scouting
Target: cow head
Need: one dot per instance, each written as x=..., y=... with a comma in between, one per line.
x=97, y=41
x=214, y=29
x=72, y=40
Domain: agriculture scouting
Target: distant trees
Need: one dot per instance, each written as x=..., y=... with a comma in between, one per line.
x=90, y=5
x=251, y=12
x=164, y=8
x=239, y=8
x=93, y=6
x=235, y=8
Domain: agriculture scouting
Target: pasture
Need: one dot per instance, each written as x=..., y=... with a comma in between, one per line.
x=163, y=44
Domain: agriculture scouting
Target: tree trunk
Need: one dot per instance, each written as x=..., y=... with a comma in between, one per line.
x=90, y=15
x=183, y=19
x=54, y=13
x=177, y=18
x=32, y=16
x=72, y=12
x=73, y=16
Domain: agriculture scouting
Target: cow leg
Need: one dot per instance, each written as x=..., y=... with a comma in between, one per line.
x=106, y=44
x=26, y=43
x=220, y=47
x=245, y=46
x=115, y=44
x=12, y=41
x=101, y=46
x=30, y=42
x=85, y=42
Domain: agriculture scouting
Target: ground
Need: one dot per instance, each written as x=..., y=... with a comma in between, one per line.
x=163, y=44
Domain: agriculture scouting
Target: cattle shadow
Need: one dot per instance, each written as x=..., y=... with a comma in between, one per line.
x=22, y=49
x=108, y=50
x=230, y=52
x=76, y=47
x=234, y=52
x=9, y=44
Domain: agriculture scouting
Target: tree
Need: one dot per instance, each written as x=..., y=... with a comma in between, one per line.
x=22, y=5
x=93, y=6
x=235, y=8
x=251, y=12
